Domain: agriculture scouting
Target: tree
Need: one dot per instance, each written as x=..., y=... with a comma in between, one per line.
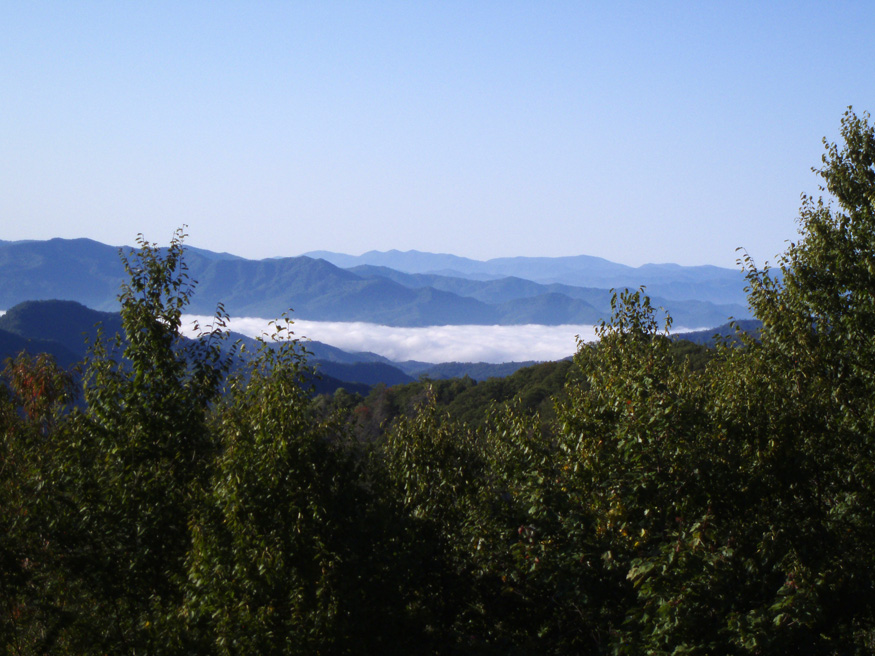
x=819, y=327
x=293, y=552
x=772, y=548
x=32, y=403
x=139, y=456
x=637, y=458
x=735, y=506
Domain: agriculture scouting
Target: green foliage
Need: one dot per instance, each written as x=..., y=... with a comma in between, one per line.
x=138, y=456
x=818, y=319
x=285, y=557
x=32, y=403
x=533, y=390
x=751, y=486
x=631, y=431
x=437, y=468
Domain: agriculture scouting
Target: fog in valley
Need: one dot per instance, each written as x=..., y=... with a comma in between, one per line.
x=430, y=343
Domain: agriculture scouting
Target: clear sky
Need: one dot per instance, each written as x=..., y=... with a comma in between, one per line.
x=635, y=131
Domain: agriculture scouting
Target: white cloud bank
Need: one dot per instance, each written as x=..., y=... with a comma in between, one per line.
x=431, y=343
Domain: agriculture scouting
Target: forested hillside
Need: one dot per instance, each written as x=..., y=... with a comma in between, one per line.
x=531, y=391
x=649, y=497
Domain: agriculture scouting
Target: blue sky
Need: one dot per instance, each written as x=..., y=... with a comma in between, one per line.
x=635, y=131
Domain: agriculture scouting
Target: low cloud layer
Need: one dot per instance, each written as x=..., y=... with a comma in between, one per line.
x=432, y=343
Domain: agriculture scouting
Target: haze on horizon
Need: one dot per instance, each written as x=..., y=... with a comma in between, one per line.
x=632, y=131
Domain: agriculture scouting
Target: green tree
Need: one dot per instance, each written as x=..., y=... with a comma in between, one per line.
x=634, y=459
x=139, y=456
x=293, y=551
x=33, y=401
x=514, y=555
x=771, y=550
x=818, y=318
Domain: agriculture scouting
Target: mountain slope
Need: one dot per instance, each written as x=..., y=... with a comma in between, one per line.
x=73, y=269
x=67, y=322
x=11, y=344
x=318, y=290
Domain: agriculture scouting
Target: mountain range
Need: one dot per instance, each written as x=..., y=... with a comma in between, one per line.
x=421, y=289
x=670, y=281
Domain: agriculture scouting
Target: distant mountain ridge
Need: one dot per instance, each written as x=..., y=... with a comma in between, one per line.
x=671, y=281
x=90, y=273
